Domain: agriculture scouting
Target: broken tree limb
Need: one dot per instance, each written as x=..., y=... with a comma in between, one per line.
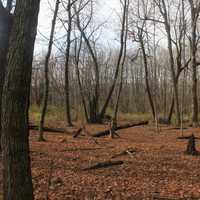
x=104, y=165
x=124, y=126
x=78, y=132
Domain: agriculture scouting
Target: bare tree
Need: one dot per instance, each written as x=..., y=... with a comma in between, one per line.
x=124, y=29
x=94, y=100
x=161, y=4
x=46, y=73
x=120, y=56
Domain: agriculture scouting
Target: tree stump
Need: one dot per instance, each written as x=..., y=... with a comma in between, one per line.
x=191, y=145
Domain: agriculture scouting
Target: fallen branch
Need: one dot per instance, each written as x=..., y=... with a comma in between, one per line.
x=176, y=128
x=55, y=130
x=128, y=151
x=104, y=165
x=187, y=138
x=78, y=132
x=107, y=132
x=83, y=131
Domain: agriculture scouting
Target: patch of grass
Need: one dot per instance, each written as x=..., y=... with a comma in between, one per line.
x=53, y=114
x=134, y=116
x=131, y=116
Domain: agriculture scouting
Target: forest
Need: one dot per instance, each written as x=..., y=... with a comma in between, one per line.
x=99, y=99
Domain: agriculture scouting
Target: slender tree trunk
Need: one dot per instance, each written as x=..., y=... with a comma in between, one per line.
x=175, y=82
x=105, y=106
x=122, y=62
x=169, y=118
x=147, y=78
x=15, y=103
x=67, y=55
x=165, y=14
x=46, y=73
x=77, y=57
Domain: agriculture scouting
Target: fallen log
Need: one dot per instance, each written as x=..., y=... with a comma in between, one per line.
x=46, y=129
x=104, y=165
x=124, y=126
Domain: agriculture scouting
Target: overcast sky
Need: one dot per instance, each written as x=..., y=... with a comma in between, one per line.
x=105, y=10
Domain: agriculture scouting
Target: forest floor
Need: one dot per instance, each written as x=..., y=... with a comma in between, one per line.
x=157, y=169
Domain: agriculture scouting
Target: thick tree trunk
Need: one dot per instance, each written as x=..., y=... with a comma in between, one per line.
x=194, y=77
x=46, y=72
x=5, y=27
x=194, y=11
x=194, y=98
x=15, y=103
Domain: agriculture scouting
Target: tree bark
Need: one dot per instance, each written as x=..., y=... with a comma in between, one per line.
x=5, y=27
x=193, y=49
x=15, y=103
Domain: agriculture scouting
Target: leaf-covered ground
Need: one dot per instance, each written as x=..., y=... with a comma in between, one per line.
x=158, y=169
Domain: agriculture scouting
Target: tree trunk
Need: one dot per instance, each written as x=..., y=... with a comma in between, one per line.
x=147, y=78
x=124, y=45
x=15, y=103
x=111, y=90
x=175, y=82
x=169, y=118
x=194, y=77
x=67, y=54
x=194, y=12
x=46, y=72
x=5, y=27
x=77, y=57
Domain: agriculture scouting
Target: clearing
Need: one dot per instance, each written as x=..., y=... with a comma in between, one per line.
x=155, y=167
